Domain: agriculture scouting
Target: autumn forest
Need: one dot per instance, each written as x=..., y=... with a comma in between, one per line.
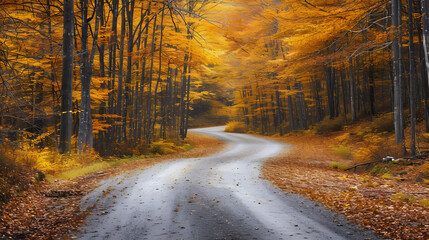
x=85, y=81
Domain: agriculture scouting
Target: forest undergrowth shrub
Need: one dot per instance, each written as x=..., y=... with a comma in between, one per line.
x=328, y=125
x=122, y=149
x=343, y=151
x=163, y=147
x=16, y=173
x=383, y=123
x=376, y=146
x=236, y=127
x=340, y=166
x=53, y=163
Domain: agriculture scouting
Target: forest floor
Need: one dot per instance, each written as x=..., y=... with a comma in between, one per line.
x=49, y=210
x=394, y=205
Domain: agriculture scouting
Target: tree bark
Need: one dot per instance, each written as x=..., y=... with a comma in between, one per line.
x=129, y=10
x=412, y=79
x=352, y=90
x=425, y=23
x=397, y=73
x=85, y=135
x=149, y=87
x=67, y=78
x=120, y=75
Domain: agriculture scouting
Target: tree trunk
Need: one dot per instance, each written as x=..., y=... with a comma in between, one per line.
x=129, y=9
x=112, y=71
x=85, y=136
x=67, y=78
x=141, y=124
x=397, y=73
x=155, y=115
x=120, y=75
x=149, y=88
x=425, y=23
x=412, y=79
x=290, y=106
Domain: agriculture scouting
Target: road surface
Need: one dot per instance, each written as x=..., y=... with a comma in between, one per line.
x=215, y=197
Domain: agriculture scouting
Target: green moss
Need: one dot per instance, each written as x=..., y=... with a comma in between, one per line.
x=387, y=176
x=424, y=202
x=341, y=166
x=403, y=198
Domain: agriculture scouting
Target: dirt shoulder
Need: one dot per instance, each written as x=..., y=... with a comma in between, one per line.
x=50, y=210
x=394, y=209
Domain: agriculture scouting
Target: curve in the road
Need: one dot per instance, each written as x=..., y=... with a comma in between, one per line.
x=216, y=197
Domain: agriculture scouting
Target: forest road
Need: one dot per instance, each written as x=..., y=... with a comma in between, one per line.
x=215, y=197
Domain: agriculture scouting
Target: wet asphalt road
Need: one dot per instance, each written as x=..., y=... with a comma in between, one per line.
x=215, y=197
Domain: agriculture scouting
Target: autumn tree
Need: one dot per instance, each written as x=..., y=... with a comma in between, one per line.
x=67, y=78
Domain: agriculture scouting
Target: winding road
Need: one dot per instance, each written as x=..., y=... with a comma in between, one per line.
x=215, y=197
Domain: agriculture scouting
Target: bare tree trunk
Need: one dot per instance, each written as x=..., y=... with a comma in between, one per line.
x=112, y=72
x=155, y=115
x=352, y=90
x=182, y=97
x=120, y=74
x=425, y=23
x=279, y=112
x=141, y=124
x=85, y=136
x=412, y=79
x=129, y=9
x=149, y=88
x=67, y=78
x=397, y=73
x=290, y=106
x=188, y=101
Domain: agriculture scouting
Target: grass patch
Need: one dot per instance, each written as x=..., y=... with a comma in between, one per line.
x=386, y=176
x=344, y=151
x=424, y=202
x=95, y=167
x=77, y=172
x=163, y=147
x=340, y=166
x=402, y=197
x=383, y=123
x=378, y=170
x=157, y=148
x=187, y=147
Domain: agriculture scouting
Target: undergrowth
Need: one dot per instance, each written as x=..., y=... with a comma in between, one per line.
x=16, y=172
x=341, y=166
x=236, y=127
x=328, y=125
x=23, y=166
x=344, y=151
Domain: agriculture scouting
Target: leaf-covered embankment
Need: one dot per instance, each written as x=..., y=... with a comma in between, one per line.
x=50, y=210
x=395, y=208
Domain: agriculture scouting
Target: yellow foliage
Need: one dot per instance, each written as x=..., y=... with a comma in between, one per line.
x=51, y=162
x=235, y=126
x=163, y=147
x=344, y=151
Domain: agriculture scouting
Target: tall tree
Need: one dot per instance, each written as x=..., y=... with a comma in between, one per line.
x=413, y=79
x=397, y=81
x=85, y=135
x=67, y=78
